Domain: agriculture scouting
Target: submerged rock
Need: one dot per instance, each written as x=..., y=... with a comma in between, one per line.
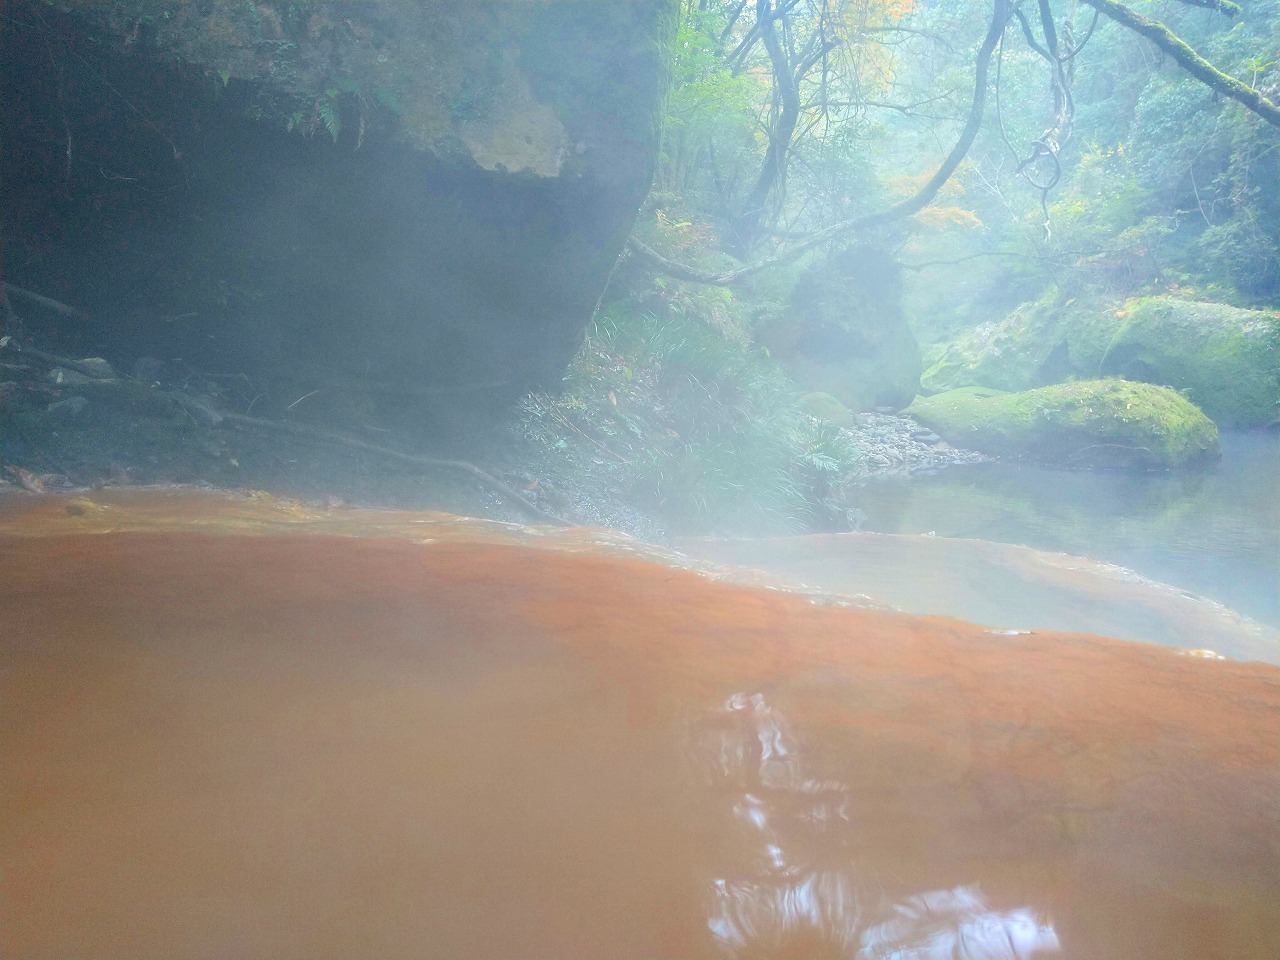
x=1096, y=423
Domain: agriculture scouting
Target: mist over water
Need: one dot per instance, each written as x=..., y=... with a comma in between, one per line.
x=629, y=279
x=239, y=727
x=1214, y=532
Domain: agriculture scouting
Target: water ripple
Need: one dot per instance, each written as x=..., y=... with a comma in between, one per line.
x=798, y=892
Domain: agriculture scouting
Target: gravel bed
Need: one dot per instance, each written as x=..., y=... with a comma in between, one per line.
x=896, y=446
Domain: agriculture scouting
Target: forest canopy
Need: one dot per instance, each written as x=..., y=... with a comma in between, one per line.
x=1060, y=134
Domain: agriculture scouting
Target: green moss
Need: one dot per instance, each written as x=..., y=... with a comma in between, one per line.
x=1015, y=352
x=825, y=407
x=1088, y=423
x=1225, y=358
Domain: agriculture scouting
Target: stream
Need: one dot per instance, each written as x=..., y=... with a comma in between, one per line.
x=1214, y=532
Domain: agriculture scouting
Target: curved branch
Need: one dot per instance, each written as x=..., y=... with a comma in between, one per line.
x=914, y=204
x=1188, y=59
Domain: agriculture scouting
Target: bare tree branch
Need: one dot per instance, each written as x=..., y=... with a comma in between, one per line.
x=1001, y=14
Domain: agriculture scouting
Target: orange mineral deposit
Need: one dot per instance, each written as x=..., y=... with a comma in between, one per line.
x=244, y=728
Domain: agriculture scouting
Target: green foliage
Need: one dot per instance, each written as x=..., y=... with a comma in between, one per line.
x=346, y=97
x=330, y=116
x=703, y=430
x=709, y=110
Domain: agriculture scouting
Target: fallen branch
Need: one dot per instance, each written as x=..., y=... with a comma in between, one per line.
x=202, y=411
x=86, y=367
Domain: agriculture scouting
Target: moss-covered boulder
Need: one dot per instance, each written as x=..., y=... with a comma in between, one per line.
x=1226, y=359
x=845, y=333
x=1095, y=423
x=1024, y=349
x=826, y=408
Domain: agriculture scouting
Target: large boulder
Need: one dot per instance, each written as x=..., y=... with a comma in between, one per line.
x=845, y=333
x=430, y=195
x=1226, y=359
x=1012, y=353
x=1097, y=423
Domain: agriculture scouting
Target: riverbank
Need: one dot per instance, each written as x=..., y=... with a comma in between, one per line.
x=658, y=432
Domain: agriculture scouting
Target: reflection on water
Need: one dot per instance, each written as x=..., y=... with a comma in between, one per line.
x=1015, y=590
x=1215, y=532
x=235, y=728
x=801, y=895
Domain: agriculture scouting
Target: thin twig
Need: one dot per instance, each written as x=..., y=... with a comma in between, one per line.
x=303, y=397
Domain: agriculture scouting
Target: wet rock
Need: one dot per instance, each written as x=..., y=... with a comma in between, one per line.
x=69, y=408
x=1087, y=424
x=461, y=177
x=1226, y=358
x=71, y=378
x=826, y=408
x=96, y=367
x=151, y=370
x=845, y=334
x=895, y=445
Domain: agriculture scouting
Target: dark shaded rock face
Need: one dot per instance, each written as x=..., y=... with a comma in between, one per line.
x=846, y=334
x=427, y=195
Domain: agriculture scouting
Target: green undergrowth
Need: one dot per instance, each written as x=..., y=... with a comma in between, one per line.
x=689, y=423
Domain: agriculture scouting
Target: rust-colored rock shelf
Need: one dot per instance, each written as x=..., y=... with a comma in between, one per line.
x=238, y=727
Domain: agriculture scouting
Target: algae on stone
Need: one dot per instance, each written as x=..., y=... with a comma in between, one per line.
x=826, y=408
x=1005, y=354
x=1226, y=358
x=1096, y=423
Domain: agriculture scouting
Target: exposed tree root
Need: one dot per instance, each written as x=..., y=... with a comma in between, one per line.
x=204, y=413
x=326, y=436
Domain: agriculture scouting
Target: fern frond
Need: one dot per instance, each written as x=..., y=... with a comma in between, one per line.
x=331, y=117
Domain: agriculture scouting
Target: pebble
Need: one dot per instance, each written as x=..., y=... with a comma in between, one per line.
x=895, y=445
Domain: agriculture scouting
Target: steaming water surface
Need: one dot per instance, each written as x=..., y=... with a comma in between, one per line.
x=1214, y=532
x=235, y=728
